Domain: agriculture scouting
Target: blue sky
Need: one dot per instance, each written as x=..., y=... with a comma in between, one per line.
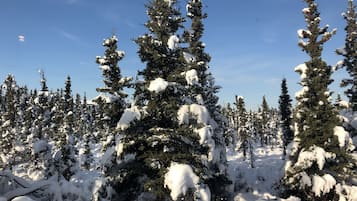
x=253, y=43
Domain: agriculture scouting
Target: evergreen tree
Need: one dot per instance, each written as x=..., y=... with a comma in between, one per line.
x=161, y=138
x=349, y=52
x=318, y=156
x=8, y=119
x=66, y=162
x=42, y=163
x=202, y=90
x=243, y=130
x=285, y=116
x=113, y=81
x=264, y=118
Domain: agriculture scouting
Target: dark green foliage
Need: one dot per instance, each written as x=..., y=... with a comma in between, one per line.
x=349, y=52
x=113, y=81
x=285, y=115
x=316, y=117
x=243, y=131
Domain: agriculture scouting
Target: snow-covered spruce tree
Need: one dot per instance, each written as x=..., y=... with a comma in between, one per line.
x=114, y=83
x=243, y=130
x=86, y=123
x=161, y=156
x=41, y=164
x=349, y=52
x=263, y=122
x=230, y=134
x=319, y=165
x=202, y=90
x=285, y=116
x=8, y=119
x=65, y=158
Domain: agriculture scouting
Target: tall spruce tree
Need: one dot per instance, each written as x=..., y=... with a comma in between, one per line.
x=285, y=116
x=66, y=163
x=264, y=118
x=349, y=52
x=243, y=130
x=318, y=156
x=202, y=89
x=114, y=83
x=8, y=119
x=163, y=137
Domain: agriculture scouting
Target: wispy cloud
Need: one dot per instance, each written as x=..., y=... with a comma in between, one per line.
x=70, y=36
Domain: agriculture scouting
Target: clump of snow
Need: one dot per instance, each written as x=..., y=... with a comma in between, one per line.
x=314, y=154
x=200, y=112
x=180, y=178
x=199, y=99
x=344, y=138
x=302, y=33
x=158, y=85
x=105, y=67
x=129, y=115
x=291, y=198
x=191, y=77
x=305, y=179
x=306, y=10
x=189, y=58
x=301, y=68
x=300, y=93
x=322, y=184
x=22, y=198
x=206, y=134
x=346, y=193
x=106, y=98
x=173, y=42
x=338, y=65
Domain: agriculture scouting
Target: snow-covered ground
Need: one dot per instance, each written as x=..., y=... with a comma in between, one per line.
x=260, y=182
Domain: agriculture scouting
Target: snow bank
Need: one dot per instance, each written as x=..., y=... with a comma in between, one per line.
x=322, y=184
x=173, y=42
x=314, y=154
x=200, y=113
x=129, y=115
x=158, y=85
x=180, y=178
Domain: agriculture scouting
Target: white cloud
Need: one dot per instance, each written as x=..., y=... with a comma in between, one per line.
x=21, y=38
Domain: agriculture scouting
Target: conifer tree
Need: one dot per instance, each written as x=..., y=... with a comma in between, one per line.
x=42, y=162
x=67, y=162
x=264, y=118
x=318, y=156
x=159, y=139
x=8, y=119
x=285, y=115
x=349, y=52
x=243, y=130
x=202, y=89
x=114, y=83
